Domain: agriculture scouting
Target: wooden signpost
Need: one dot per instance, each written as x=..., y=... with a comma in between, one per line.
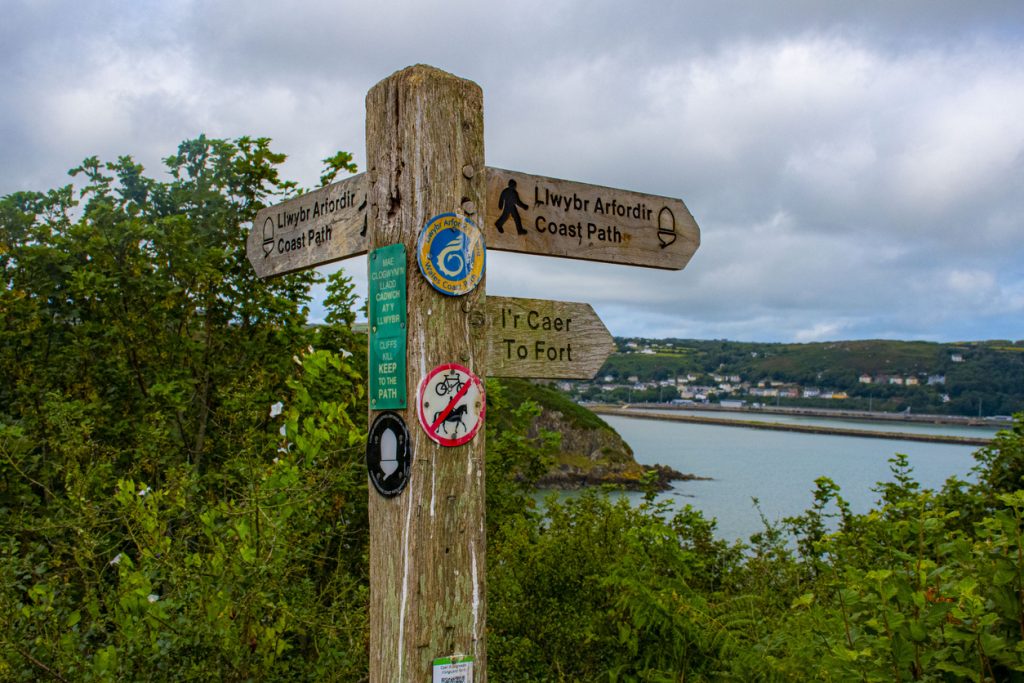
x=425, y=157
x=552, y=217
x=424, y=210
x=319, y=227
x=545, y=339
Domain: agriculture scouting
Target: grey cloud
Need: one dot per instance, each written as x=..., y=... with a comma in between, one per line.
x=855, y=167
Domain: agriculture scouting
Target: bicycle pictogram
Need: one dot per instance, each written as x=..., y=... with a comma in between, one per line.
x=450, y=383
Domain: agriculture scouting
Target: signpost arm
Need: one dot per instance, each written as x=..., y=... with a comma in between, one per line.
x=425, y=157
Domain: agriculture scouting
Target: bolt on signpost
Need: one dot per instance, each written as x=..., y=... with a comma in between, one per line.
x=425, y=211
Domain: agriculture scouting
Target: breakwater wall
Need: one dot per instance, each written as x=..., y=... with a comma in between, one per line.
x=839, y=414
x=807, y=429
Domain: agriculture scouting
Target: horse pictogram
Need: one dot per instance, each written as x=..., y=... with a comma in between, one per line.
x=456, y=416
x=451, y=404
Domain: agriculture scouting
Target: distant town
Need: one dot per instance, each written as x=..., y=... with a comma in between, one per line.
x=975, y=378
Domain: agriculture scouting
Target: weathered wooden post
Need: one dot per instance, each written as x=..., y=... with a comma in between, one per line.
x=425, y=159
x=427, y=204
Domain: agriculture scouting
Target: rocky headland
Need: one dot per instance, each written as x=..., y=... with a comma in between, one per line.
x=591, y=453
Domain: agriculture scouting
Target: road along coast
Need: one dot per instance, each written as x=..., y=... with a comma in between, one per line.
x=860, y=415
x=777, y=426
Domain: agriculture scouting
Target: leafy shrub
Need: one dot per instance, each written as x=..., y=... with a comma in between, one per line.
x=183, y=495
x=158, y=521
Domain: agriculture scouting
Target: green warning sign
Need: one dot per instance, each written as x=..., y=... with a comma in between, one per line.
x=387, y=327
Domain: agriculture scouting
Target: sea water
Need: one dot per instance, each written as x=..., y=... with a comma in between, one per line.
x=778, y=468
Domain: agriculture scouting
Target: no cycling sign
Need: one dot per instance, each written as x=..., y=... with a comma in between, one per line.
x=451, y=404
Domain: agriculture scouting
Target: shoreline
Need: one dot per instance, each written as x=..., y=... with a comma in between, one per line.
x=859, y=415
x=807, y=429
x=660, y=479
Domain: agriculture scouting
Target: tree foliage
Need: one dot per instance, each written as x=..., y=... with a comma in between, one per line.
x=928, y=586
x=183, y=494
x=158, y=520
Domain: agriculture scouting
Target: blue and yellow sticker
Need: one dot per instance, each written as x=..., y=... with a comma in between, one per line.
x=451, y=254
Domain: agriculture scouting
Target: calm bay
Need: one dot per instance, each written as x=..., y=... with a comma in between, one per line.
x=779, y=468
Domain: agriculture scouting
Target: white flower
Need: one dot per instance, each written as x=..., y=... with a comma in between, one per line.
x=116, y=560
x=145, y=491
x=276, y=409
x=152, y=597
x=345, y=353
x=282, y=430
x=296, y=359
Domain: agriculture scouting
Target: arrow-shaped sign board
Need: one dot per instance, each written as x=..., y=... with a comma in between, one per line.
x=318, y=227
x=552, y=217
x=545, y=339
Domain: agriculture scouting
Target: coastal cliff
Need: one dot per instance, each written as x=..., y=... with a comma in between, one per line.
x=590, y=452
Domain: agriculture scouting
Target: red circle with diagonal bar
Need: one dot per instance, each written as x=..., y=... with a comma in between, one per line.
x=451, y=404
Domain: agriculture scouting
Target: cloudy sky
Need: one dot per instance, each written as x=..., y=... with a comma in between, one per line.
x=856, y=168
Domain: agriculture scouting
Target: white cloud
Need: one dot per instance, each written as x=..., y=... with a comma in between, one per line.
x=822, y=331
x=973, y=283
x=855, y=170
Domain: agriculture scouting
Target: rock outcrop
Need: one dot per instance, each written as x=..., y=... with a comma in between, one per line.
x=591, y=453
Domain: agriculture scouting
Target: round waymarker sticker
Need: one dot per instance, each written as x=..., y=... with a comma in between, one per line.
x=451, y=254
x=451, y=404
x=387, y=454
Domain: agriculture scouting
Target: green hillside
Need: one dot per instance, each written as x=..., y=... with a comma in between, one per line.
x=587, y=450
x=962, y=378
x=517, y=391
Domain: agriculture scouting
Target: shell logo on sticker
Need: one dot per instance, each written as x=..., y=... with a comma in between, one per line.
x=451, y=254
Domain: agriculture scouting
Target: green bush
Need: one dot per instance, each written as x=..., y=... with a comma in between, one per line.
x=158, y=521
x=183, y=494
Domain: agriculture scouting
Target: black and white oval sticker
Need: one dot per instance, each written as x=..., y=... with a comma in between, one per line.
x=451, y=404
x=387, y=454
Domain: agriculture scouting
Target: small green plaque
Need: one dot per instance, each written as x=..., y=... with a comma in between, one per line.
x=387, y=328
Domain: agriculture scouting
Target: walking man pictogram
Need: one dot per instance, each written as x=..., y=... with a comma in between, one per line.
x=507, y=202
